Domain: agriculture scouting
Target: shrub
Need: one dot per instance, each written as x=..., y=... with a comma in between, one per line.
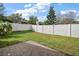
x=5, y=28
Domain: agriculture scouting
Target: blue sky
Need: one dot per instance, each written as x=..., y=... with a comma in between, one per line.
x=40, y=9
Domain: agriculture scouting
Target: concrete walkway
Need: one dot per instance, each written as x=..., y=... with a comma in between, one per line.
x=29, y=48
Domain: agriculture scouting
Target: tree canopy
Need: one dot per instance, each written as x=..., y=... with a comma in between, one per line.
x=1, y=12
x=51, y=17
x=32, y=20
x=15, y=18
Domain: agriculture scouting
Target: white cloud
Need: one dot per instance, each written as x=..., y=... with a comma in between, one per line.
x=63, y=12
x=26, y=12
x=42, y=18
x=42, y=5
x=27, y=5
x=69, y=14
x=59, y=4
x=67, y=11
x=43, y=11
x=18, y=11
x=33, y=10
x=30, y=10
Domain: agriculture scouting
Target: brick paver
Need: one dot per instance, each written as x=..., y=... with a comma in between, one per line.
x=29, y=48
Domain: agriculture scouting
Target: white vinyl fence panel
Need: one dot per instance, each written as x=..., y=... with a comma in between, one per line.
x=47, y=29
x=63, y=29
x=20, y=27
x=42, y=29
x=75, y=30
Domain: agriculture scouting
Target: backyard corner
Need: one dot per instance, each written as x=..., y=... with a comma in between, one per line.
x=45, y=24
x=60, y=43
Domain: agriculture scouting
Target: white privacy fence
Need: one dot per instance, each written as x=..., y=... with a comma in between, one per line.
x=20, y=27
x=63, y=29
x=75, y=30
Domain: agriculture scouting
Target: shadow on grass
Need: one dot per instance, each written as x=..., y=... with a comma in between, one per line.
x=15, y=34
x=21, y=32
x=8, y=43
x=10, y=36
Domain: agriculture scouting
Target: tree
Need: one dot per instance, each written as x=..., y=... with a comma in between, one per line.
x=66, y=18
x=46, y=22
x=32, y=20
x=51, y=17
x=15, y=18
x=69, y=17
x=41, y=23
x=1, y=12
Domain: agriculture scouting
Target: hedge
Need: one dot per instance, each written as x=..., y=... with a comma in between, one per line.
x=5, y=28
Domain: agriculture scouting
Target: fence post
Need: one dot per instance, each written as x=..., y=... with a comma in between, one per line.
x=42, y=28
x=70, y=31
x=53, y=29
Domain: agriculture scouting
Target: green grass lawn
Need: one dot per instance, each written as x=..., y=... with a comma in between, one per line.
x=60, y=43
